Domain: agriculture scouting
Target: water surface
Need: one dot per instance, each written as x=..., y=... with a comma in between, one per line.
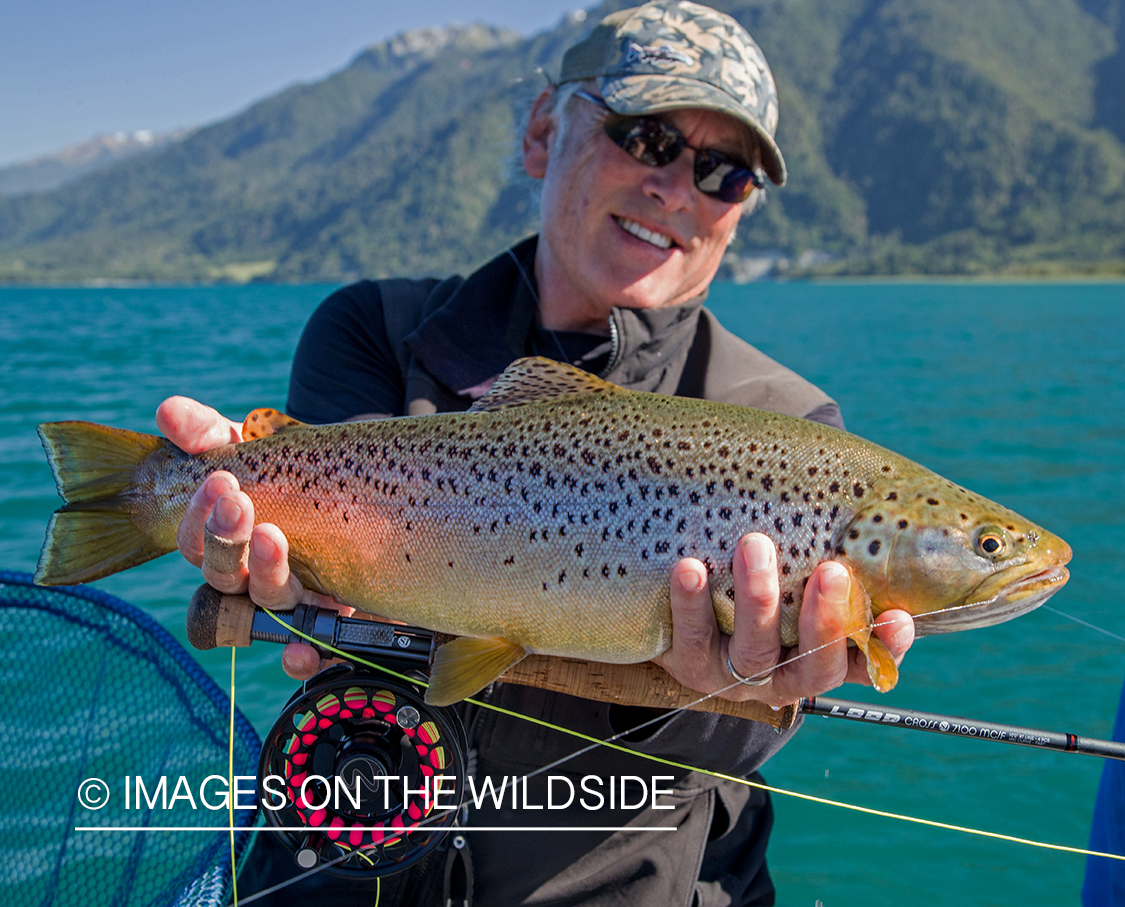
x=1012, y=390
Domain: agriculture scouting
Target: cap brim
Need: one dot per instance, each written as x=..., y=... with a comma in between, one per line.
x=636, y=95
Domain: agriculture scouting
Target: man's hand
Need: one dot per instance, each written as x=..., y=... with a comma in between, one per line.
x=698, y=654
x=218, y=533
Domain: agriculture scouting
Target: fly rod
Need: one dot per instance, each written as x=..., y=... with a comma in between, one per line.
x=961, y=727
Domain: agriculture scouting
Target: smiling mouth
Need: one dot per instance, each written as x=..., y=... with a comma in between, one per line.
x=656, y=239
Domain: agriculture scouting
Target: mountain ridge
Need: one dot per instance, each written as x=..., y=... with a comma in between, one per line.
x=919, y=139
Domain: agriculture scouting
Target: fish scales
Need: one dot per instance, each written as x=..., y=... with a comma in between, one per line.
x=552, y=517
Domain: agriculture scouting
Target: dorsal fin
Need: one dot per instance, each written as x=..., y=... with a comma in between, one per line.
x=264, y=422
x=534, y=380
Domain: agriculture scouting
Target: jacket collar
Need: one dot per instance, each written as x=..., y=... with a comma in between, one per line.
x=489, y=319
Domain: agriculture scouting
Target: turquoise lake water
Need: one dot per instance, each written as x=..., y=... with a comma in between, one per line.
x=1013, y=390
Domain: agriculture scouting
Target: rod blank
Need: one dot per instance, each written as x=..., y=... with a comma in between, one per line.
x=962, y=727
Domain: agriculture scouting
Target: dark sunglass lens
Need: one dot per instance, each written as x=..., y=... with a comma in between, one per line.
x=721, y=178
x=648, y=140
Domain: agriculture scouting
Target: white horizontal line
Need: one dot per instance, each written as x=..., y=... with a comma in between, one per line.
x=305, y=828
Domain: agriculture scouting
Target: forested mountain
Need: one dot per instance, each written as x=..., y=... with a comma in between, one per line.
x=922, y=136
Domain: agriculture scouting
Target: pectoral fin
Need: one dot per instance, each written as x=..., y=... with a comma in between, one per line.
x=466, y=665
x=262, y=423
x=881, y=667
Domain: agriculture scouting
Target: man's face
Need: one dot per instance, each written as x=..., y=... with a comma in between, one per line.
x=617, y=232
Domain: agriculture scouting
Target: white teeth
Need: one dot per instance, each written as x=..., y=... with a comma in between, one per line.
x=657, y=239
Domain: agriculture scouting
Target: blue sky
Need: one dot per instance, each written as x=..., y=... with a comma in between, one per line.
x=70, y=70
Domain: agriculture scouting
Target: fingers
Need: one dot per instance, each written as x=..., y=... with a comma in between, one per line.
x=194, y=427
x=271, y=584
x=226, y=543
x=300, y=660
x=695, y=634
x=189, y=535
x=755, y=644
x=823, y=662
x=697, y=657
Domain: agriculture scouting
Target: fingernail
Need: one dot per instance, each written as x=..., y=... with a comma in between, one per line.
x=214, y=489
x=261, y=548
x=226, y=515
x=691, y=580
x=834, y=580
x=757, y=551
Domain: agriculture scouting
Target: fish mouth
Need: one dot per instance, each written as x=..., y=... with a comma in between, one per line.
x=1016, y=598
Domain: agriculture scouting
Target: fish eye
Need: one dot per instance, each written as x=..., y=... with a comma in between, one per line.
x=991, y=542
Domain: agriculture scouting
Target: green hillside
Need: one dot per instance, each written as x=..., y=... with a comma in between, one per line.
x=922, y=136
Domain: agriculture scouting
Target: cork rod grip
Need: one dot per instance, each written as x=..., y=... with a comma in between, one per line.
x=217, y=620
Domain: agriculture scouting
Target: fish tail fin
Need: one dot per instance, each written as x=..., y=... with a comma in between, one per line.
x=881, y=667
x=94, y=535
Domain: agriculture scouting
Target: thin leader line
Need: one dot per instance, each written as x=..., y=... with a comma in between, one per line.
x=1079, y=620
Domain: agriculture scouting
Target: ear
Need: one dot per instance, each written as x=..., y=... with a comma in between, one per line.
x=539, y=135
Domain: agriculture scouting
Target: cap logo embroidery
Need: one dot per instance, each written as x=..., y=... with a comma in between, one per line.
x=657, y=56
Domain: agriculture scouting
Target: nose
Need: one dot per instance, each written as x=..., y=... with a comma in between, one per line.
x=673, y=185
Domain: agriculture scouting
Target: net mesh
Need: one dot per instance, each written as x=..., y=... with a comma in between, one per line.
x=95, y=689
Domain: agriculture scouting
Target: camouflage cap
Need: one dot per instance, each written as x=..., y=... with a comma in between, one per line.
x=672, y=53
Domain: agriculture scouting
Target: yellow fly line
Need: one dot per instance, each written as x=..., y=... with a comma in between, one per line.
x=673, y=764
x=230, y=783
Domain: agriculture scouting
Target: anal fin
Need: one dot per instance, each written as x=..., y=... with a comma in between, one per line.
x=467, y=664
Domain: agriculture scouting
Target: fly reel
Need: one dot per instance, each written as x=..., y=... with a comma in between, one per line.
x=360, y=774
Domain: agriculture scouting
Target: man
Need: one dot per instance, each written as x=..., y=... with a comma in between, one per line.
x=655, y=137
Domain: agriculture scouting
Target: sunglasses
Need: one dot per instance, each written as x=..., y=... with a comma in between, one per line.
x=656, y=143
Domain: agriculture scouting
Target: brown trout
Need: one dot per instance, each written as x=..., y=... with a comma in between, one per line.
x=548, y=517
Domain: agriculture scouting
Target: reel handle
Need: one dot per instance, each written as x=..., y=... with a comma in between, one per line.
x=214, y=619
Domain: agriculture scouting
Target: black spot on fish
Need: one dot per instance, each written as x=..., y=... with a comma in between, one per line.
x=933, y=502
x=853, y=534
x=873, y=548
x=857, y=490
x=902, y=524
x=834, y=487
x=878, y=518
